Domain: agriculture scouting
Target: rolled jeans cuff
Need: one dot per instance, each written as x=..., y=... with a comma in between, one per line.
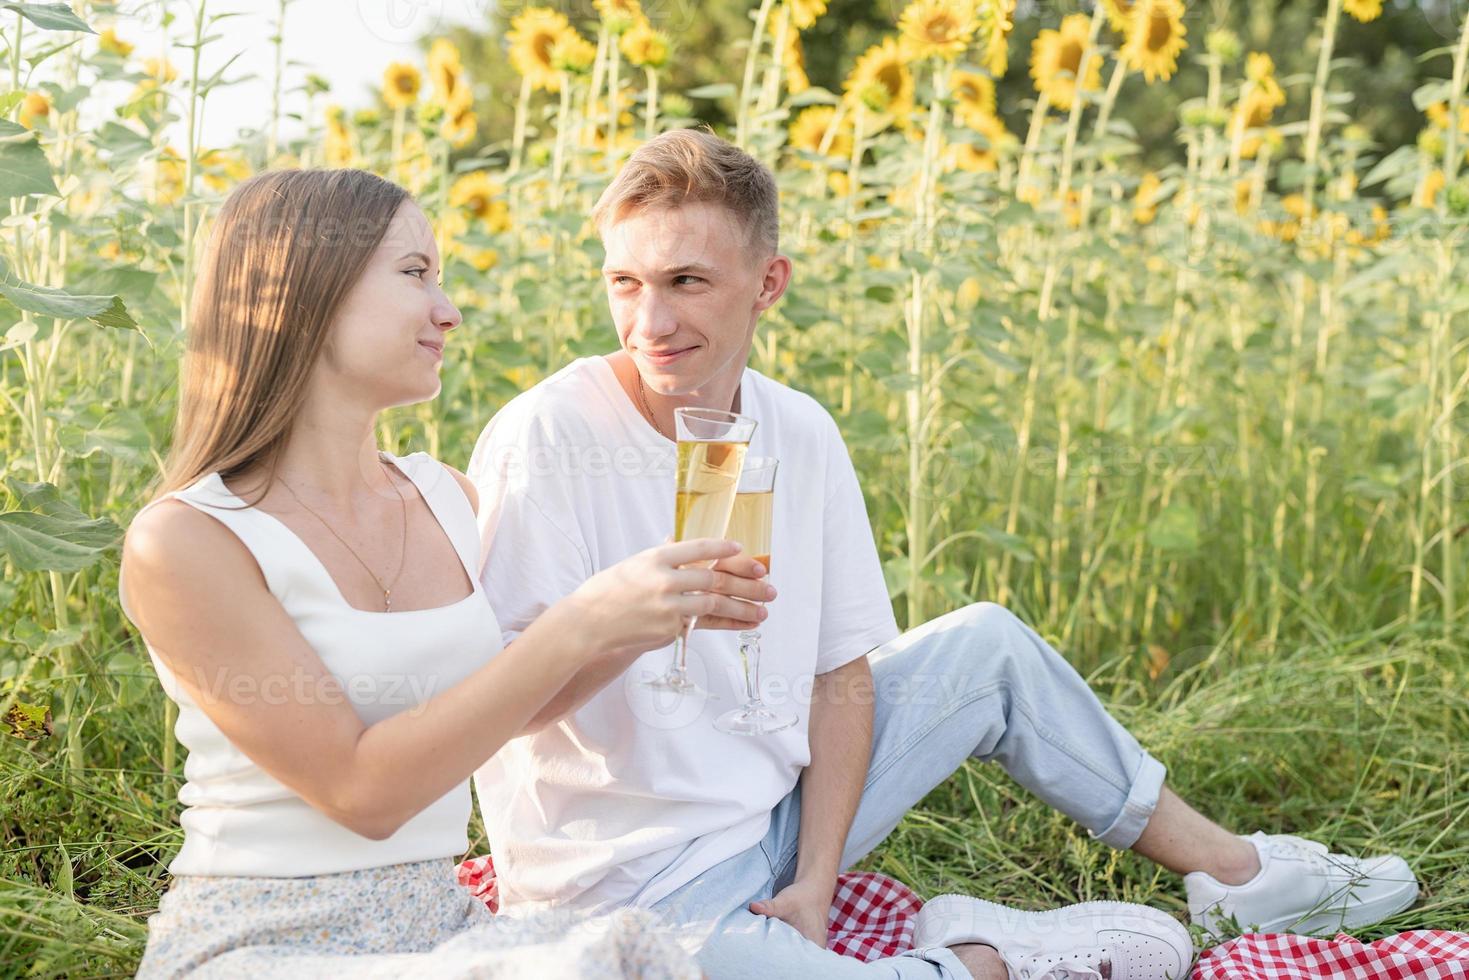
x=1138, y=808
x=941, y=957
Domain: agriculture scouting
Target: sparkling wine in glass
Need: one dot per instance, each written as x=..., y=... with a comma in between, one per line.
x=750, y=525
x=711, y=453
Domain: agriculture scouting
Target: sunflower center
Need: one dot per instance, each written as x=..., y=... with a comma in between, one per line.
x=404, y=84
x=967, y=92
x=1070, y=57
x=890, y=77
x=941, y=28
x=1160, y=32
x=543, y=44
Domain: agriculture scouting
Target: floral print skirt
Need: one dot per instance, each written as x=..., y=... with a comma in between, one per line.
x=403, y=920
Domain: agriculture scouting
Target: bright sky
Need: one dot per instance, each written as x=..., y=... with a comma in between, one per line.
x=347, y=42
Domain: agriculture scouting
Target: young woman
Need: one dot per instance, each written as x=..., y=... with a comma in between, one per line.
x=313, y=606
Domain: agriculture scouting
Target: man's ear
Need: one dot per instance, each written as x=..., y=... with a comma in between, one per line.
x=775, y=277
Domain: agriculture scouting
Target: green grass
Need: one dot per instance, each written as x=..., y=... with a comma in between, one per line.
x=1357, y=741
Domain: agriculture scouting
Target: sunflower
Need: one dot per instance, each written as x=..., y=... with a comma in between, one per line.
x=459, y=124
x=446, y=73
x=336, y=144
x=1244, y=195
x=109, y=41
x=619, y=15
x=973, y=157
x=645, y=47
x=1259, y=97
x=805, y=12
x=937, y=28
x=573, y=53
x=222, y=171
x=1119, y=14
x=1055, y=58
x=168, y=175
x=1155, y=39
x=34, y=108
x=1438, y=114
x=401, y=82
x=532, y=36
x=1363, y=10
x=793, y=60
x=996, y=18
x=881, y=75
x=1145, y=200
x=810, y=127
x=974, y=96
x=481, y=197
x=1428, y=189
x=159, y=71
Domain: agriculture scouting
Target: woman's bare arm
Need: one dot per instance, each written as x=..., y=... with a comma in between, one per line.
x=200, y=601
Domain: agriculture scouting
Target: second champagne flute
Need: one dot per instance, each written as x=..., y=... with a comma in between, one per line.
x=711, y=453
x=750, y=525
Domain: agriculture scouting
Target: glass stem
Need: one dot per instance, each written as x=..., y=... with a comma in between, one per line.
x=681, y=648
x=750, y=641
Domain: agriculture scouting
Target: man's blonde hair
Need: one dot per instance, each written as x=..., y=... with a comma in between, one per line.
x=684, y=166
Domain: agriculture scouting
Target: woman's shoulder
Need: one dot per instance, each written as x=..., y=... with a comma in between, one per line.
x=465, y=483
x=172, y=545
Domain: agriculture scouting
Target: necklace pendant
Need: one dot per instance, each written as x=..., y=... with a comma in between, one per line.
x=387, y=600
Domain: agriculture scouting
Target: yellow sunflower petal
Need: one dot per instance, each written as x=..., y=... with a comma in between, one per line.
x=1155, y=39
x=645, y=47
x=882, y=71
x=937, y=28
x=446, y=72
x=1055, y=59
x=533, y=35
x=401, y=83
x=974, y=96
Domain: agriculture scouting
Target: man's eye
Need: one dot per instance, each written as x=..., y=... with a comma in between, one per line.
x=686, y=280
x=621, y=280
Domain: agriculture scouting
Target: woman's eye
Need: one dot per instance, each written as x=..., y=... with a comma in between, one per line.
x=416, y=272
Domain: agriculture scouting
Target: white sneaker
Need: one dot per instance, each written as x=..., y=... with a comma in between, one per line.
x=1302, y=888
x=1090, y=941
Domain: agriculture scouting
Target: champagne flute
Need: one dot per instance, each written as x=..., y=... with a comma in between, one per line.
x=711, y=452
x=750, y=525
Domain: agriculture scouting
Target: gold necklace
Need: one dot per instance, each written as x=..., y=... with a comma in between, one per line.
x=403, y=549
x=643, y=401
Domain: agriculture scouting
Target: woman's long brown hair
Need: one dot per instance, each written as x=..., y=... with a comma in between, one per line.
x=286, y=249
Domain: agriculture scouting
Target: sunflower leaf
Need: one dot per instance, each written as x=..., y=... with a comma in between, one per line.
x=49, y=16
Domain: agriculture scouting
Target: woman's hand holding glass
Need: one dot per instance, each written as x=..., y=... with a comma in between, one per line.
x=643, y=602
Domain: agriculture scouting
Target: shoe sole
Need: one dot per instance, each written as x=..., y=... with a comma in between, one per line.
x=1366, y=914
x=1115, y=916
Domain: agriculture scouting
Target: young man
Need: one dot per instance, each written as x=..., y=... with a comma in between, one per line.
x=620, y=794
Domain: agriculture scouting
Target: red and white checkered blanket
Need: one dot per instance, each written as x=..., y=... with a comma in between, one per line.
x=872, y=917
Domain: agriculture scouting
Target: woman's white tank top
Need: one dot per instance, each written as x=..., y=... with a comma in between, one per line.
x=239, y=820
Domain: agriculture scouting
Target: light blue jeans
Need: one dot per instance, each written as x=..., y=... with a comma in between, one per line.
x=976, y=683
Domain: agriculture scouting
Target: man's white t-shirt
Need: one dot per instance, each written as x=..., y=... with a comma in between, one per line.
x=636, y=793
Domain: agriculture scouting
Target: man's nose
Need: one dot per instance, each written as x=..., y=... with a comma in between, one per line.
x=654, y=318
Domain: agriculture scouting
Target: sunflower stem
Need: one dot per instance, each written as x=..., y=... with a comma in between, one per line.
x=1099, y=133
x=742, y=124
x=278, y=42
x=651, y=119
x=613, y=101
x=517, y=140
x=1317, y=118
x=1456, y=98
x=1073, y=119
